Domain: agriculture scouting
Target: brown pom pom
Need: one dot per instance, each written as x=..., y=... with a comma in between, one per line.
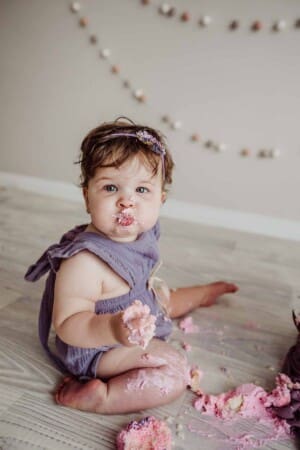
x=93, y=39
x=245, y=152
x=115, y=69
x=256, y=26
x=83, y=22
x=297, y=23
x=171, y=12
x=195, y=137
x=185, y=16
x=234, y=24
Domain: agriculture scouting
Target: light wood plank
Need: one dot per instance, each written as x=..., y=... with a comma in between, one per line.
x=246, y=334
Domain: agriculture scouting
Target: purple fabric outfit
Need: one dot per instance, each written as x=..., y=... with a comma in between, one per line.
x=133, y=261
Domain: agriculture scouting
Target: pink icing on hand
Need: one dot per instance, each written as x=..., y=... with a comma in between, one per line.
x=140, y=323
x=146, y=434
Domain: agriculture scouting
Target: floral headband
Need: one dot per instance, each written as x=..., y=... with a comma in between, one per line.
x=148, y=139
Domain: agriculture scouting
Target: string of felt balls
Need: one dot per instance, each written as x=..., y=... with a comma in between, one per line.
x=139, y=95
x=169, y=11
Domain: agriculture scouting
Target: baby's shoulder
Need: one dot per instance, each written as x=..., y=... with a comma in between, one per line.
x=83, y=262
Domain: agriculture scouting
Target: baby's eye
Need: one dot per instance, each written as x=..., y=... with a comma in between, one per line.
x=110, y=188
x=142, y=189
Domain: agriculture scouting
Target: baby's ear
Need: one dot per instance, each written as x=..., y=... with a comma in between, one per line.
x=86, y=199
x=163, y=196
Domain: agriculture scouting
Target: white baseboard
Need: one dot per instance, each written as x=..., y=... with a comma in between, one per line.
x=234, y=220
x=53, y=188
x=206, y=215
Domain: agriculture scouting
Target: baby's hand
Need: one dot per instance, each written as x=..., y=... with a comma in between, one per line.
x=140, y=323
x=120, y=330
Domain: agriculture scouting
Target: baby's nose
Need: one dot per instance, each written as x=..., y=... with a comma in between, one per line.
x=127, y=202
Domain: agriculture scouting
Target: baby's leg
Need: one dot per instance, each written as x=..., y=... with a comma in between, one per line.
x=137, y=380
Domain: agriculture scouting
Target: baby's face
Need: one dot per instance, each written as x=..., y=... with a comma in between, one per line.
x=124, y=202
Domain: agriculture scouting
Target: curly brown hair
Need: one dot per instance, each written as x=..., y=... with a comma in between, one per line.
x=101, y=149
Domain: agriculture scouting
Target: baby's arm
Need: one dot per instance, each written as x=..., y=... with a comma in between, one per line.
x=79, y=284
x=186, y=299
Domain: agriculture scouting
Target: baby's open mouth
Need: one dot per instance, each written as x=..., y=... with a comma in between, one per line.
x=125, y=218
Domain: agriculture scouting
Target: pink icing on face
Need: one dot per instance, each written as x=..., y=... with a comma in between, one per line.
x=140, y=323
x=146, y=434
x=125, y=218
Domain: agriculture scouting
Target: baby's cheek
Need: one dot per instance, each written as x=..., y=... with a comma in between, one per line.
x=147, y=221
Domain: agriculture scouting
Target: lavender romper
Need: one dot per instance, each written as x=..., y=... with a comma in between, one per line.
x=132, y=261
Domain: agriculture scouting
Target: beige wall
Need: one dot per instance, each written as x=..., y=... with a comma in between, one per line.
x=240, y=88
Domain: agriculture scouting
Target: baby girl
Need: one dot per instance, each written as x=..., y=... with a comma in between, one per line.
x=111, y=323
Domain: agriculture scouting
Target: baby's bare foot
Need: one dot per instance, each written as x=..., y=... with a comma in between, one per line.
x=89, y=396
x=210, y=292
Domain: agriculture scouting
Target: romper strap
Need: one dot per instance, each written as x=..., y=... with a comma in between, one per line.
x=45, y=320
x=45, y=262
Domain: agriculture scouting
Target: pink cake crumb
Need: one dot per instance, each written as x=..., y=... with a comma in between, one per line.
x=187, y=347
x=249, y=401
x=250, y=325
x=140, y=323
x=252, y=402
x=281, y=395
x=246, y=400
x=146, y=434
x=195, y=377
x=187, y=325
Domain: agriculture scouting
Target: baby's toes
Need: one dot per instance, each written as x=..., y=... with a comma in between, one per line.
x=231, y=287
x=57, y=393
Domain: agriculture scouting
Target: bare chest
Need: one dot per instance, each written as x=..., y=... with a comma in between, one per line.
x=113, y=285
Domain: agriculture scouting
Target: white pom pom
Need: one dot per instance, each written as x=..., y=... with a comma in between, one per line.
x=75, y=7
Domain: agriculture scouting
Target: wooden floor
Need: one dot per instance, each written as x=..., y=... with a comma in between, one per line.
x=242, y=339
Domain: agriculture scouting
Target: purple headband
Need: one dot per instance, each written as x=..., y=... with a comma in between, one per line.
x=146, y=138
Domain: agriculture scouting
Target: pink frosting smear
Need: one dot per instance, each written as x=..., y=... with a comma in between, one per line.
x=252, y=402
x=125, y=218
x=140, y=323
x=186, y=346
x=247, y=400
x=146, y=434
x=187, y=325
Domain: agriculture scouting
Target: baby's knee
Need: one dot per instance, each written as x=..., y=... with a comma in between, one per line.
x=176, y=358
x=179, y=369
x=173, y=364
